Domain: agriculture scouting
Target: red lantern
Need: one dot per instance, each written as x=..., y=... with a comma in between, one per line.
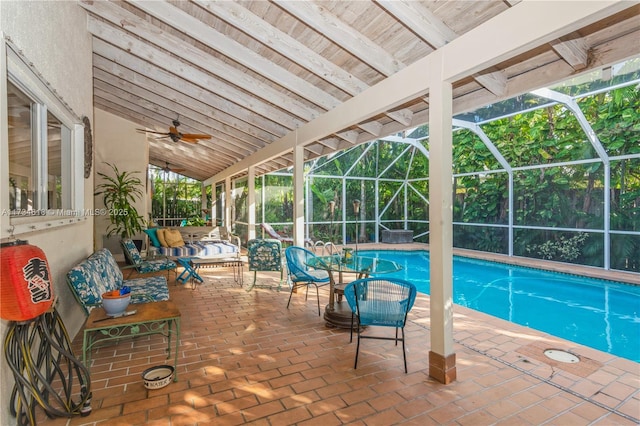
x=25, y=285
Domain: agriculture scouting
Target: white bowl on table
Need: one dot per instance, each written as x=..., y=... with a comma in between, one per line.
x=114, y=303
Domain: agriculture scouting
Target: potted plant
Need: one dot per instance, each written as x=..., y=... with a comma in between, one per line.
x=119, y=193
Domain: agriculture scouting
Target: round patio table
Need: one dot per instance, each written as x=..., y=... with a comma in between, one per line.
x=337, y=313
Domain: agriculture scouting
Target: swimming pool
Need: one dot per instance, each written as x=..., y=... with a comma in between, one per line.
x=601, y=314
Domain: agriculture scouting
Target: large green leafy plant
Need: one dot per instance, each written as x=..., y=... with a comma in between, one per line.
x=119, y=194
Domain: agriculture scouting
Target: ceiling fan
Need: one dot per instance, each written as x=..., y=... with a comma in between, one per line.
x=176, y=136
x=168, y=169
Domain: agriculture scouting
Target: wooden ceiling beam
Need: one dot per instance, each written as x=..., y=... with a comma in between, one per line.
x=119, y=96
x=372, y=127
x=257, y=28
x=495, y=82
x=202, y=125
x=402, y=116
x=343, y=35
x=350, y=136
x=131, y=45
x=110, y=70
x=178, y=155
x=432, y=30
x=121, y=34
x=105, y=53
x=235, y=51
x=199, y=167
x=315, y=148
x=573, y=49
x=126, y=107
x=295, y=51
x=419, y=19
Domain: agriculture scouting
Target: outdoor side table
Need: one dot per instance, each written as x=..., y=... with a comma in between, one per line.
x=189, y=271
x=150, y=318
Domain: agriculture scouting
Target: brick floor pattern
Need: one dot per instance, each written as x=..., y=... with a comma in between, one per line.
x=245, y=359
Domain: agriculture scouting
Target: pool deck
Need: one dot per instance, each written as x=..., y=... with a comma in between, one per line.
x=246, y=359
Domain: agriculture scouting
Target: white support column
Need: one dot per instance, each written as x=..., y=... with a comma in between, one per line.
x=298, y=195
x=251, y=201
x=227, y=202
x=442, y=359
x=203, y=201
x=214, y=205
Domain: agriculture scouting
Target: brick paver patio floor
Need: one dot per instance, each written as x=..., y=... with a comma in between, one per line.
x=245, y=359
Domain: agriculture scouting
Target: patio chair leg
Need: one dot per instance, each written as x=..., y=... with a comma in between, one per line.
x=293, y=287
x=404, y=352
x=351, y=329
x=355, y=365
x=318, y=296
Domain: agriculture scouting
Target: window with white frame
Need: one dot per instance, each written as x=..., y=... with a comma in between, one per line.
x=36, y=141
x=44, y=146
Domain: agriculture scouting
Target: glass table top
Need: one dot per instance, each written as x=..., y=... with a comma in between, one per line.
x=356, y=264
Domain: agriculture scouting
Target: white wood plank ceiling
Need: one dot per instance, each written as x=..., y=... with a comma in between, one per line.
x=250, y=72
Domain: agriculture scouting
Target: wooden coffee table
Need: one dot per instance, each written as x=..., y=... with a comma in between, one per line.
x=150, y=318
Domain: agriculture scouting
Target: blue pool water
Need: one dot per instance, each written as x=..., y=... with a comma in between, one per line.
x=601, y=314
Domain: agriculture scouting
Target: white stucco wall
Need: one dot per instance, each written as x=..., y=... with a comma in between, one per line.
x=53, y=36
x=118, y=142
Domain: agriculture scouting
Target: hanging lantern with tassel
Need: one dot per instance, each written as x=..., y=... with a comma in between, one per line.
x=25, y=282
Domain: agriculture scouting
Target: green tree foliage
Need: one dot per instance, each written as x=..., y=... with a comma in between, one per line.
x=562, y=196
x=548, y=192
x=176, y=197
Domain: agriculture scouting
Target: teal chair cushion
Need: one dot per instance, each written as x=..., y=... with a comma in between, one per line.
x=153, y=236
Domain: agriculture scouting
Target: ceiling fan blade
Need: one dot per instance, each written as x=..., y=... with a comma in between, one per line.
x=188, y=140
x=195, y=136
x=177, y=170
x=151, y=131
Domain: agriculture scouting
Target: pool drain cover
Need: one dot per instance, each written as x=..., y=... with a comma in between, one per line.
x=561, y=356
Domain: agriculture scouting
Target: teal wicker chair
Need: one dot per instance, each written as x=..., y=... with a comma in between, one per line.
x=264, y=255
x=380, y=302
x=302, y=275
x=137, y=263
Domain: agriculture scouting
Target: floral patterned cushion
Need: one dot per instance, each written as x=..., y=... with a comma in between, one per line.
x=131, y=251
x=264, y=254
x=155, y=265
x=100, y=273
x=150, y=289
